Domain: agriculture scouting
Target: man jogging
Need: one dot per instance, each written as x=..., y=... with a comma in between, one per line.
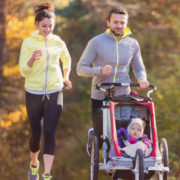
x=107, y=58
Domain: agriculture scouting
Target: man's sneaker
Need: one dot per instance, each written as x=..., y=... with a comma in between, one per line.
x=90, y=136
x=33, y=172
x=46, y=177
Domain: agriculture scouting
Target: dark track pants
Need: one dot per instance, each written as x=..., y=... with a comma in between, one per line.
x=48, y=110
x=97, y=119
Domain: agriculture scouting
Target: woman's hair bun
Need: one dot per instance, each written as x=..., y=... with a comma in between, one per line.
x=44, y=6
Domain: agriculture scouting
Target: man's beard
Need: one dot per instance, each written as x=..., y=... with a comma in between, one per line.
x=117, y=34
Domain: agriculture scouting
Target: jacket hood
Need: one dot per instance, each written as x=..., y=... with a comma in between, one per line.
x=40, y=37
x=126, y=32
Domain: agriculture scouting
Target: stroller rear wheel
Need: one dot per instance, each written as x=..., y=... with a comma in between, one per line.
x=94, y=159
x=164, y=153
x=139, y=165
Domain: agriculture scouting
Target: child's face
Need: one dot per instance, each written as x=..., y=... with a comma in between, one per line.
x=135, y=131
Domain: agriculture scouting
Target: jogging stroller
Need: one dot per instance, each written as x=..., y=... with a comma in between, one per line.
x=117, y=111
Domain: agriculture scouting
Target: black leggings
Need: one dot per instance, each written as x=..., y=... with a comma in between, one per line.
x=48, y=110
x=97, y=119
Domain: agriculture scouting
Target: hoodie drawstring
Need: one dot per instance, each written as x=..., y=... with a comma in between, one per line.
x=46, y=95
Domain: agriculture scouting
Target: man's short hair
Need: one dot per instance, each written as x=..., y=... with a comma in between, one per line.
x=117, y=10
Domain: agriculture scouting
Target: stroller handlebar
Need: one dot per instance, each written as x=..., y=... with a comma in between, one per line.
x=99, y=85
x=111, y=85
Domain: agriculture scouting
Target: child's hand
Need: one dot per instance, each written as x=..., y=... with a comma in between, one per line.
x=145, y=147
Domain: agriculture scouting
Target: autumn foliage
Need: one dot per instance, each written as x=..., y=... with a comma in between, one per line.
x=155, y=24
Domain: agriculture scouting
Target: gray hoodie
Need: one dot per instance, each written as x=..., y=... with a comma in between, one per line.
x=105, y=49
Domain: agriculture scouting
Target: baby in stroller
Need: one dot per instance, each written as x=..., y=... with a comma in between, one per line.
x=133, y=137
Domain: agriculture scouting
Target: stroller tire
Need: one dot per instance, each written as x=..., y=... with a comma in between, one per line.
x=164, y=153
x=94, y=159
x=139, y=165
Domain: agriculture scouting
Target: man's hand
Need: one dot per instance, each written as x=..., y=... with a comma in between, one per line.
x=106, y=70
x=143, y=84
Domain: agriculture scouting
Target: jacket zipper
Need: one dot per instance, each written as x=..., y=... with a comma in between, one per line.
x=117, y=55
x=46, y=75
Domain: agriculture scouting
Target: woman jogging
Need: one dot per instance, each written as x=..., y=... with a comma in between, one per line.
x=39, y=64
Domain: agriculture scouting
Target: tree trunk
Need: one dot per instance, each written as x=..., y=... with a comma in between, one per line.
x=2, y=44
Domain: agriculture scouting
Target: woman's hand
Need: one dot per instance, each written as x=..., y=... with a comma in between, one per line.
x=36, y=56
x=68, y=84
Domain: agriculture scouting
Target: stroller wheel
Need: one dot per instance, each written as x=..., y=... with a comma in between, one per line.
x=139, y=165
x=90, y=137
x=94, y=159
x=164, y=153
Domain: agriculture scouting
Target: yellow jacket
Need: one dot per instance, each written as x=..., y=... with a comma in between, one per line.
x=45, y=74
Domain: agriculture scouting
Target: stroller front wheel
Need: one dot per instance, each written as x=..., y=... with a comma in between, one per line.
x=94, y=159
x=139, y=165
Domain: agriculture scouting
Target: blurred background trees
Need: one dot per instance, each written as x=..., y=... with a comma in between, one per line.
x=155, y=24
x=2, y=44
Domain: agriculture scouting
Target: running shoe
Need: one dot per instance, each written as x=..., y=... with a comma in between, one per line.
x=46, y=177
x=33, y=172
